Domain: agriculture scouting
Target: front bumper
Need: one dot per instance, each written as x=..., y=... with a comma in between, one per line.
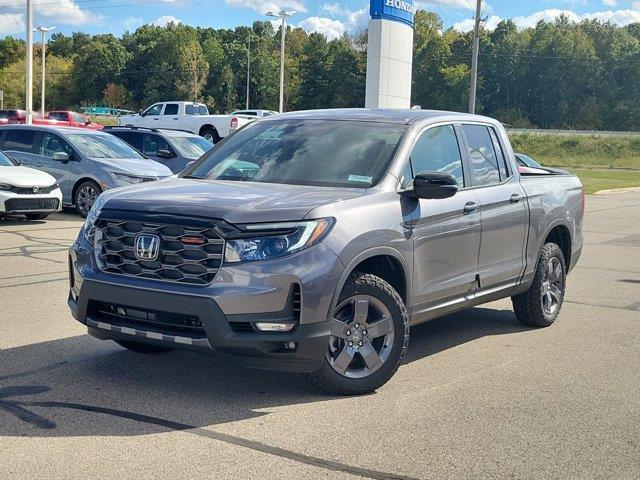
x=240, y=294
x=11, y=203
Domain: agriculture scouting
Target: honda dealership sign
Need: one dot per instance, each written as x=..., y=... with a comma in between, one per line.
x=394, y=10
x=390, y=54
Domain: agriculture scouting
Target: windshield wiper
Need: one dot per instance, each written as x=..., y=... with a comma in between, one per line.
x=193, y=177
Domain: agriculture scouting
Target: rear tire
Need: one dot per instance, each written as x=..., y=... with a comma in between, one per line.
x=540, y=305
x=85, y=195
x=140, y=347
x=210, y=134
x=36, y=216
x=370, y=336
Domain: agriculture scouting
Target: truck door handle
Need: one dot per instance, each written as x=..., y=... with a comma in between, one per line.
x=470, y=207
x=515, y=198
x=175, y=118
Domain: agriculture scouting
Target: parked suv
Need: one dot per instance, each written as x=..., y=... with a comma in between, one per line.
x=84, y=162
x=312, y=241
x=173, y=148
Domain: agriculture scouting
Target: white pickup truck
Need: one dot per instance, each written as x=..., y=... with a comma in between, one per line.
x=191, y=116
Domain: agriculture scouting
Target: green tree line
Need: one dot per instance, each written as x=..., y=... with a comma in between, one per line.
x=556, y=75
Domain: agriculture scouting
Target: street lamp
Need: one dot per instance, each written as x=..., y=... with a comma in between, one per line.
x=43, y=31
x=283, y=15
x=29, y=66
x=474, y=59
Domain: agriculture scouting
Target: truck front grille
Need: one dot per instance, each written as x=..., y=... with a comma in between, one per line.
x=31, y=204
x=148, y=320
x=186, y=254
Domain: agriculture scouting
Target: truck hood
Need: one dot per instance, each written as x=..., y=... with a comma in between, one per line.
x=25, y=177
x=234, y=202
x=134, y=166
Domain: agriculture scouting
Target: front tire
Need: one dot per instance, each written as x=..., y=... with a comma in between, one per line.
x=369, y=337
x=540, y=305
x=85, y=196
x=140, y=347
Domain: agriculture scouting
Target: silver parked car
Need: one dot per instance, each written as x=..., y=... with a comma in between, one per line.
x=84, y=162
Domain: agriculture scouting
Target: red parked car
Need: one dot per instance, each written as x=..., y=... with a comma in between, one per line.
x=60, y=118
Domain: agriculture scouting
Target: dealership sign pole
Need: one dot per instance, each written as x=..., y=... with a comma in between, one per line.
x=390, y=54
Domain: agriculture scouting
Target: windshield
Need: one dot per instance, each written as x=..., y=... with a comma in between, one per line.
x=304, y=152
x=191, y=147
x=5, y=161
x=102, y=146
x=526, y=161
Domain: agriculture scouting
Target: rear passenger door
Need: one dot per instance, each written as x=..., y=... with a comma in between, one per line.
x=446, y=232
x=502, y=207
x=46, y=145
x=19, y=145
x=169, y=118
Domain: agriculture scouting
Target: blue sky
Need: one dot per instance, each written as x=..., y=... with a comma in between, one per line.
x=332, y=17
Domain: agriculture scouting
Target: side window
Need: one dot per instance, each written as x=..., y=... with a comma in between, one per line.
x=437, y=150
x=20, y=140
x=51, y=144
x=171, y=109
x=154, y=109
x=132, y=138
x=152, y=143
x=484, y=162
x=502, y=157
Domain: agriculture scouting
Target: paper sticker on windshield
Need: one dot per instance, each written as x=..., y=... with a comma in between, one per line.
x=359, y=179
x=271, y=135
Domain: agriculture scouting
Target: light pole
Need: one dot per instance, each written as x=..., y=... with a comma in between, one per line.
x=29, y=66
x=283, y=15
x=43, y=31
x=474, y=60
x=246, y=107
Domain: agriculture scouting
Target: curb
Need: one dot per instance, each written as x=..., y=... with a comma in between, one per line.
x=613, y=191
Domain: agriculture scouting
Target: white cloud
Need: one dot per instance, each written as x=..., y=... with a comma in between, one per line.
x=131, y=23
x=64, y=12
x=334, y=9
x=617, y=17
x=469, y=24
x=11, y=23
x=331, y=28
x=352, y=19
x=264, y=6
x=165, y=20
x=610, y=3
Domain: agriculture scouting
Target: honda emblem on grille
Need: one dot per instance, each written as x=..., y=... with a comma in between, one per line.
x=36, y=189
x=147, y=247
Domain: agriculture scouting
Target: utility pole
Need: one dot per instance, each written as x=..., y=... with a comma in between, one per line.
x=43, y=31
x=283, y=15
x=474, y=60
x=248, y=71
x=29, y=65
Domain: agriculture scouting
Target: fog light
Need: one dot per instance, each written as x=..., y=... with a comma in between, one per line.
x=290, y=345
x=275, y=327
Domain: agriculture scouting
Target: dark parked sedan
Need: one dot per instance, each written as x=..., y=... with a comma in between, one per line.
x=173, y=148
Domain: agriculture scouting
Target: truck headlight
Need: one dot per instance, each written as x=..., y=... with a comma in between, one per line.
x=92, y=217
x=273, y=240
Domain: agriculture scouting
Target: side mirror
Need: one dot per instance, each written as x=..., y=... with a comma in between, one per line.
x=189, y=164
x=61, y=157
x=164, y=154
x=141, y=113
x=431, y=185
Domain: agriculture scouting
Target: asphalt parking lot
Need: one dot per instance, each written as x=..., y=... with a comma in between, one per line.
x=478, y=397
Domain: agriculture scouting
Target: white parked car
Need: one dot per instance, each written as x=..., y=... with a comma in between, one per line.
x=27, y=191
x=189, y=116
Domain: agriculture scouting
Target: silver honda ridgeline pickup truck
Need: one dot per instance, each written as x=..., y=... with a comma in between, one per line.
x=313, y=241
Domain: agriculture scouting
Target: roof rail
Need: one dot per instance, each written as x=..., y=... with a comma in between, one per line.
x=147, y=129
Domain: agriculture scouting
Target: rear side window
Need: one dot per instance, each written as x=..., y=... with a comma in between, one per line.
x=132, y=138
x=437, y=150
x=484, y=161
x=502, y=158
x=19, y=140
x=171, y=109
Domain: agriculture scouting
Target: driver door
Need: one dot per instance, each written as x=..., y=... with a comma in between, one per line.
x=151, y=118
x=446, y=232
